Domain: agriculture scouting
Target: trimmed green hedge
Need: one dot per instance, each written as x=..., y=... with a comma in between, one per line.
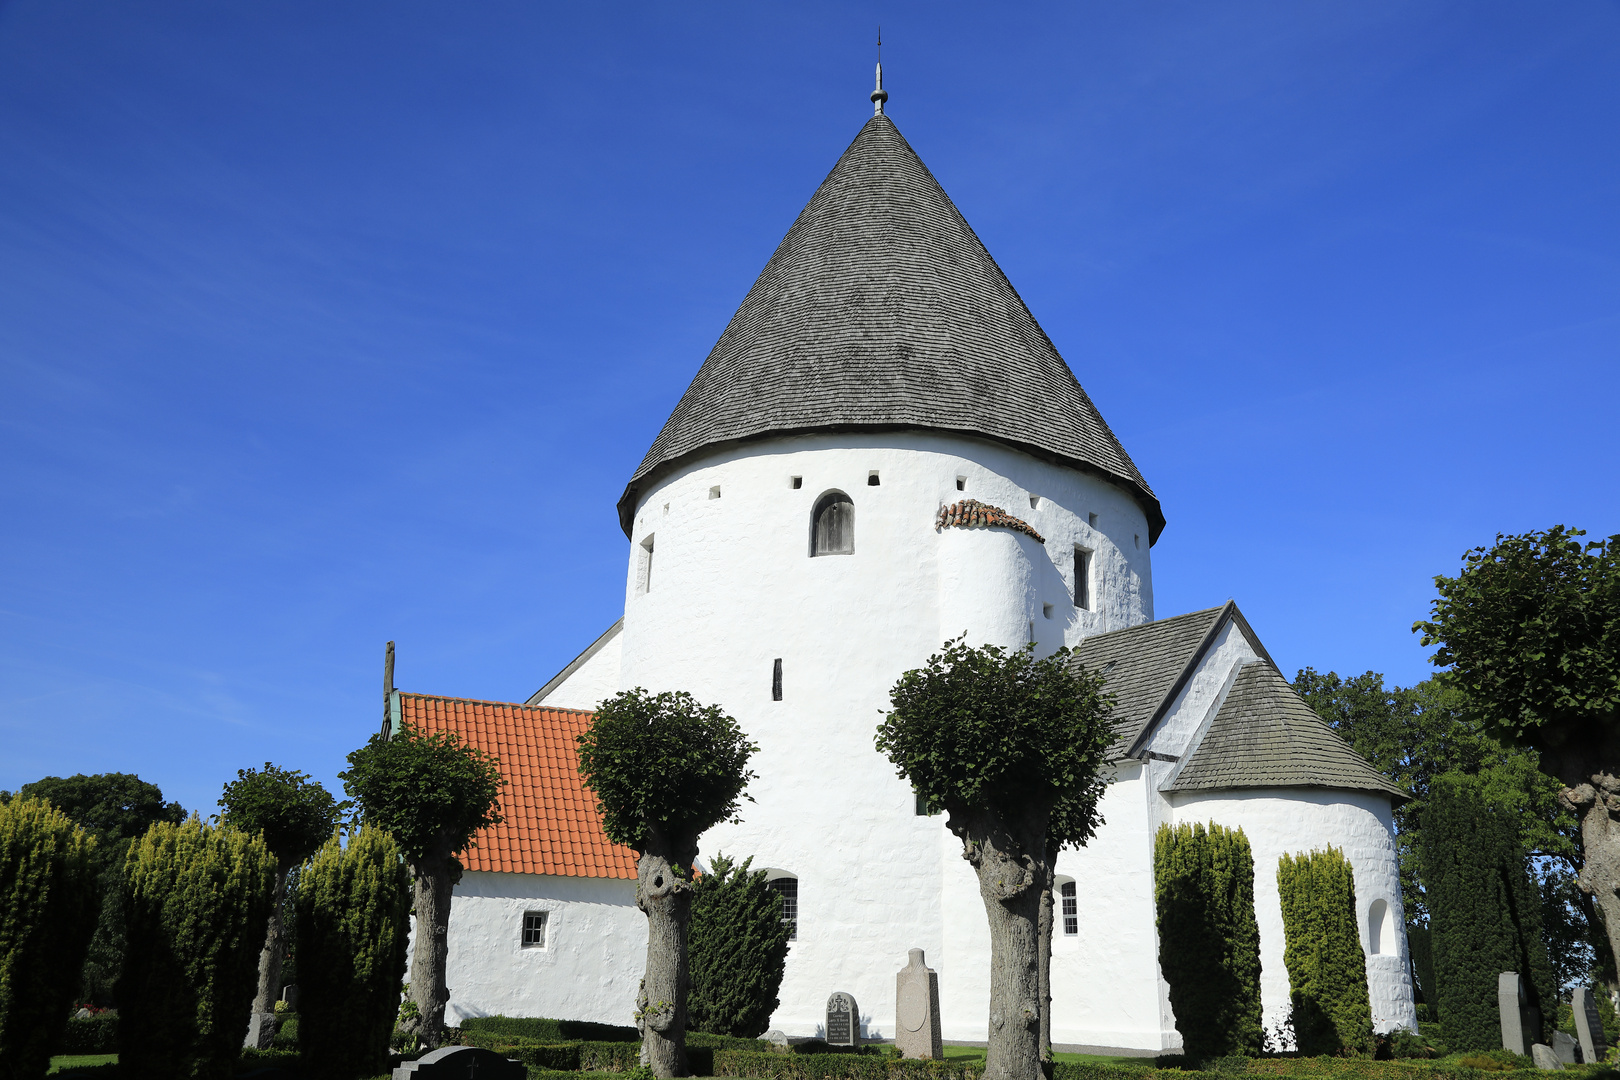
x=90, y=1035
x=1327, y=971
x=842, y=1067
x=540, y=1029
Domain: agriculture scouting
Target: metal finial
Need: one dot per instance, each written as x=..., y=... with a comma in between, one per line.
x=879, y=95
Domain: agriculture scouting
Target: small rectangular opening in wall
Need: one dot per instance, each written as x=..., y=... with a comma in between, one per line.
x=776, y=679
x=714, y=492
x=1034, y=502
x=872, y=478
x=961, y=483
x=534, y=929
x=1032, y=631
x=1136, y=539
x=1046, y=611
x=1082, y=579
x=924, y=807
x=798, y=482
x=644, y=573
x=666, y=508
x=1091, y=519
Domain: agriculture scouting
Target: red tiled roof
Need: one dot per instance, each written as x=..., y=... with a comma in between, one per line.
x=551, y=824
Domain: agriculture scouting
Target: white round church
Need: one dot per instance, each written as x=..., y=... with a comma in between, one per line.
x=884, y=451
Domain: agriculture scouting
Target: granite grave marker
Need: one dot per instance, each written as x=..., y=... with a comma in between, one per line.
x=843, y=1020
x=916, y=1010
x=1589, y=1025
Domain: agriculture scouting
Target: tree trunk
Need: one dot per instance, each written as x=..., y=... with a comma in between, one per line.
x=1010, y=860
x=1595, y=798
x=1044, y=944
x=664, y=894
x=432, y=879
x=270, y=958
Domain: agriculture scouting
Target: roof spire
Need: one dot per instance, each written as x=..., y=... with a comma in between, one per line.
x=879, y=95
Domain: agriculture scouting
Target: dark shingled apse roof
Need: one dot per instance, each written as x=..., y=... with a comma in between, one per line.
x=1266, y=736
x=1143, y=664
x=882, y=310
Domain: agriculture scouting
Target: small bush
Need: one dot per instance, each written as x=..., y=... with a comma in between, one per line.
x=286, y=1032
x=90, y=1035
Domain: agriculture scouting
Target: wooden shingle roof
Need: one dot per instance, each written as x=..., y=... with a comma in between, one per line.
x=881, y=309
x=1144, y=666
x=1266, y=736
x=551, y=824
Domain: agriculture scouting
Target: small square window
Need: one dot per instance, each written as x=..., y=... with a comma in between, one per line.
x=872, y=478
x=798, y=482
x=1091, y=519
x=714, y=492
x=924, y=807
x=1034, y=502
x=1046, y=611
x=534, y=929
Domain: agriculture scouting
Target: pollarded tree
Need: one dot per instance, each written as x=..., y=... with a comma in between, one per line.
x=1531, y=627
x=296, y=815
x=431, y=793
x=664, y=769
x=997, y=739
x=737, y=945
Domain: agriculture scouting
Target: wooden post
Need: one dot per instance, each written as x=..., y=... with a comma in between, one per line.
x=388, y=691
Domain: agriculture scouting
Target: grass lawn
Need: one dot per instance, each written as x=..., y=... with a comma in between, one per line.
x=80, y=1061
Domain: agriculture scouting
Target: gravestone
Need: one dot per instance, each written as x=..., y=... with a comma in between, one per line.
x=1543, y=1056
x=775, y=1037
x=843, y=1020
x=462, y=1063
x=1510, y=1005
x=916, y=1010
x=261, y=1030
x=289, y=994
x=1588, y=1025
x=1567, y=1049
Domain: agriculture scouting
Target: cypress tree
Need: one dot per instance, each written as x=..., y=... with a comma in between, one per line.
x=196, y=899
x=1209, y=941
x=352, y=911
x=737, y=951
x=1484, y=915
x=48, y=905
x=1327, y=971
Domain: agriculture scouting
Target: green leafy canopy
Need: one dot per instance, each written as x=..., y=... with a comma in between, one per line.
x=430, y=792
x=665, y=763
x=997, y=728
x=295, y=814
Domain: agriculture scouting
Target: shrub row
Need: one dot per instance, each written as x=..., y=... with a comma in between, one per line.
x=90, y=1035
x=766, y=1066
x=540, y=1029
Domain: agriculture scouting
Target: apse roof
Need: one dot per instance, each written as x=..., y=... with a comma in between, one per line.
x=551, y=824
x=881, y=309
x=1266, y=736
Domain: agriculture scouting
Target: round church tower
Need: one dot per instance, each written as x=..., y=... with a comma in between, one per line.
x=882, y=451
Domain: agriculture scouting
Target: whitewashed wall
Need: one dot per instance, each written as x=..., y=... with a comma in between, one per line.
x=1294, y=820
x=587, y=685
x=733, y=588
x=589, y=969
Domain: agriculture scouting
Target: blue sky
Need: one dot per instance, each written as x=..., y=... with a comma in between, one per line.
x=322, y=325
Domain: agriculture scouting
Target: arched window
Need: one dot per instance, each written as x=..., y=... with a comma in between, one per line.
x=832, y=525
x=786, y=886
x=1380, y=928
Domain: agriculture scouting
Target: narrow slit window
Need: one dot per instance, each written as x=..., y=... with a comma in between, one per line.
x=776, y=679
x=646, y=565
x=534, y=929
x=1071, y=910
x=1034, y=502
x=872, y=478
x=1136, y=539
x=1082, y=579
x=788, y=889
x=961, y=483
x=798, y=482
x=1091, y=519
x=832, y=525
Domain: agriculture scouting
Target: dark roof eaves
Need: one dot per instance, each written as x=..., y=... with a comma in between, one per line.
x=1392, y=791
x=1143, y=496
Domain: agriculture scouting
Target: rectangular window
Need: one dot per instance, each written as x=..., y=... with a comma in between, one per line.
x=1082, y=579
x=534, y=929
x=645, y=571
x=776, y=680
x=1071, y=910
x=924, y=807
x=788, y=889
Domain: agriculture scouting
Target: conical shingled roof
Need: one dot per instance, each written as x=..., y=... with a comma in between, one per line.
x=881, y=309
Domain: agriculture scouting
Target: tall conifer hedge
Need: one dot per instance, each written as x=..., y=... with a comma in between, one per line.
x=1209, y=941
x=1327, y=971
x=48, y=906
x=1484, y=915
x=352, y=912
x=737, y=951
x=196, y=900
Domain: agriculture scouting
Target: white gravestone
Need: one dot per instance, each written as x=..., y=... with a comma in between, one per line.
x=916, y=1010
x=1510, y=1005
x=1589, y=1026
x=843, y=1020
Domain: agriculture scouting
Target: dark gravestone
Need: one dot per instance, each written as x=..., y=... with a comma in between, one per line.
x=1567, y=1049
x=462, y=1063
x=843, y=1020
x=1588, y=1025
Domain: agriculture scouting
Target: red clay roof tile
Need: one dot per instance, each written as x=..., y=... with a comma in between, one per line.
x=551, y=824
